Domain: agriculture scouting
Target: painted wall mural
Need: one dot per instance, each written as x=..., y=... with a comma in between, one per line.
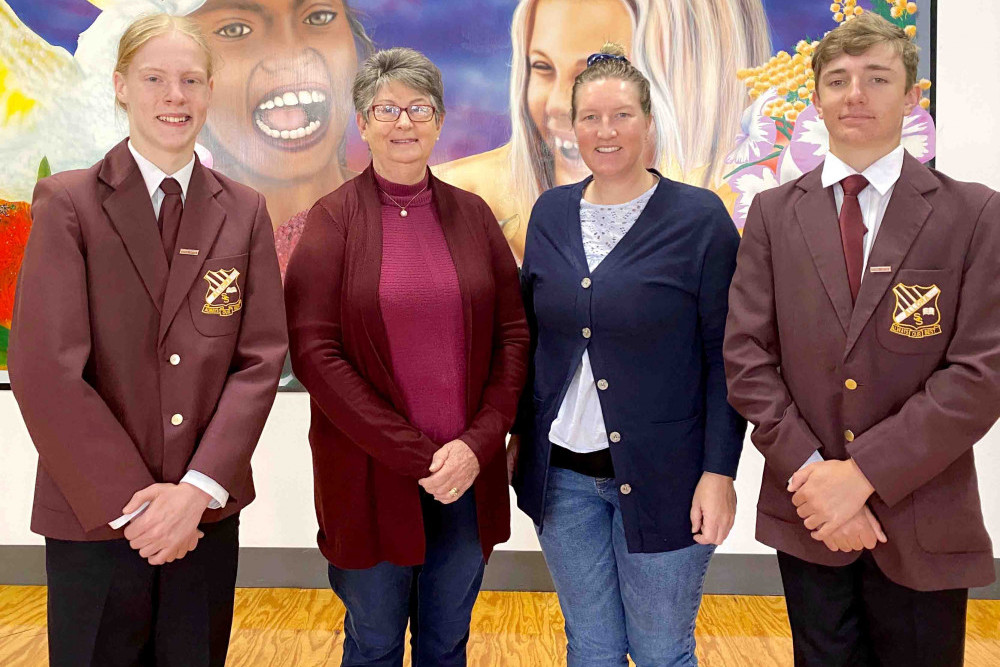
x=730, y=93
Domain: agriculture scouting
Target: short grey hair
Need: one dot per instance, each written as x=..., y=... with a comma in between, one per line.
x=407, y=66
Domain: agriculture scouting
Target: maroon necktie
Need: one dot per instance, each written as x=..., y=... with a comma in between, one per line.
x=852, y=230
x=170, y=215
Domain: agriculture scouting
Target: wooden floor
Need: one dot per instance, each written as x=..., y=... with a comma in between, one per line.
x=302, y=628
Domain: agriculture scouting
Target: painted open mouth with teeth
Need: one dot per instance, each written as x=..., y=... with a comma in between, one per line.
x=294, y=118
x=570, y=150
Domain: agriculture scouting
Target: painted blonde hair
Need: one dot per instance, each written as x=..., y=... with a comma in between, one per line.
x=690, y=53
x=150, y=26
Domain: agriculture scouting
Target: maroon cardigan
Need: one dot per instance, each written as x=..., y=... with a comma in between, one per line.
x=367, y=457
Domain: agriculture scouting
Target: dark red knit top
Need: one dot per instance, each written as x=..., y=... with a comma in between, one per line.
x=422, y=309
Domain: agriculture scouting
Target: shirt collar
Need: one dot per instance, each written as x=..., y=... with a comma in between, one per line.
x=153, y=175
x=882, y=174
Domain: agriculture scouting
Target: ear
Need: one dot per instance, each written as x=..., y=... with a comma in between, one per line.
x=440, y=124
x=912, y=99
x=816, y=103
x=119, y=82
x=362, y=126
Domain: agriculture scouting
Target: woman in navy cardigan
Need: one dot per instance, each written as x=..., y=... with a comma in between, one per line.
x=625, y=447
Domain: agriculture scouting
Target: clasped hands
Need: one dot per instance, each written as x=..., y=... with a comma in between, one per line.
x=454, y=467
x=830, y=497
x=168, y=528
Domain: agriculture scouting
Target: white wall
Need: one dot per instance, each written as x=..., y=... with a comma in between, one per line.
x=968, y=147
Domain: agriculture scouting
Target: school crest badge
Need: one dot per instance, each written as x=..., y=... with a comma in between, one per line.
x=223, y=297
x=916, y=314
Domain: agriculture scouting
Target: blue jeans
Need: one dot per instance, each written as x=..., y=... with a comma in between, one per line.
x=617, y=603
x=436, y=597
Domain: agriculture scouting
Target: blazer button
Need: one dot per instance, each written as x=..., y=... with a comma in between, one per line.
x=602, y=384
x=850, y=384
x=177, y=420
x=586, y=332
x=175, y=359
x=585, y=283
x=615, y=436
x=849, y=435
x=625, y=489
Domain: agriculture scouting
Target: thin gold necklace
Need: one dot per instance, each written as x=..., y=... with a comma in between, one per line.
x=402, y=208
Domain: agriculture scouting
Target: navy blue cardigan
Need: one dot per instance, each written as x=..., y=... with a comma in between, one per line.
x=652, y=315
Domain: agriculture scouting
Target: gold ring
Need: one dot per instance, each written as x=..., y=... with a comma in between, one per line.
x=453, y=492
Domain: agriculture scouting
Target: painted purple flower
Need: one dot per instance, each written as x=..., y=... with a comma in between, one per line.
x=757, y=132
x=748, y=183
x=811, y=141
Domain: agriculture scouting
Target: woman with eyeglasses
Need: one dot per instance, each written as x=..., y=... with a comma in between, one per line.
x=407, y=329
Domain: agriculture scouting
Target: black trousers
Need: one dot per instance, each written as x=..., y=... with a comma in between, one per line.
x=854, y=616
x=108, y=607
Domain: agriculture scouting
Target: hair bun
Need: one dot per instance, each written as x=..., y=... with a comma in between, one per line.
x=613, y=49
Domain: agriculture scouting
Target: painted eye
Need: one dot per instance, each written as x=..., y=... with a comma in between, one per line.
x=541, y=66
x=234, y=31
x=321, y=17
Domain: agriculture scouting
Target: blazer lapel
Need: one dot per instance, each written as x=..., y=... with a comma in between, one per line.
x=131, y=212
x=816, y=212
x=200, y=224
x=906, y=214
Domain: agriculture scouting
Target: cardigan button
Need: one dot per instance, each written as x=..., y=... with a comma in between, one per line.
x=177, y=420
x=602, y=384
x=850, y=384
x=625, y=489
x=849, y=435
x=175, y=359
x=615, y=436
x=585, y=283
x=586, y=332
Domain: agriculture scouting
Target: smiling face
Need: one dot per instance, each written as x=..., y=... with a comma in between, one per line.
x=283, y=86
x=399, y=146
x=863, y=100
x=166, y=91
x=611, y=129
x=562, y=35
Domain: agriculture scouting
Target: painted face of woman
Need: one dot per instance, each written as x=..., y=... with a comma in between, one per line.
x=283, y=87
x=563, y=34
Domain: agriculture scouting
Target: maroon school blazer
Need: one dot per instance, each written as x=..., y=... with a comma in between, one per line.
x=125, y=375
x=367, y=458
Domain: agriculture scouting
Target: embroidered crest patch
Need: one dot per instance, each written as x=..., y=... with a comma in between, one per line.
x=916, y=314
x=223, y=297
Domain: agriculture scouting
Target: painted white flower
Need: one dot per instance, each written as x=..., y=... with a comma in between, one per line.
x=747, y=184
x=757, y=131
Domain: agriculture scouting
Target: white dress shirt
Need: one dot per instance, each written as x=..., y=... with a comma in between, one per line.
x=579, y=425
x=153, y=176
x=882, y=176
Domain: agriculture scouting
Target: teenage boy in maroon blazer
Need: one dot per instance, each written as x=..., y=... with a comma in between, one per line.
x=147, y=343
x=863, y=343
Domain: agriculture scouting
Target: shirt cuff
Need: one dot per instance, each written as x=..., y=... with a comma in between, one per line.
x=813, y=458
x=125, y=518
x=219, y=495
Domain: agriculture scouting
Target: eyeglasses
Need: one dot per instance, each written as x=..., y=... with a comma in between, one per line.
x=417, y=113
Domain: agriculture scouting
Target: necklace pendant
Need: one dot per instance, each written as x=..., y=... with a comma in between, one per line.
x=402, y=213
